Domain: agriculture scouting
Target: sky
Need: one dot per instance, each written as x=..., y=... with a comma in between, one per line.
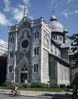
x=11, y=11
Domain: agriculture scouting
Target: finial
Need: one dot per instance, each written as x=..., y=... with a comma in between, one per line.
x=9, y=28
x=53, y=12
x=25, y=10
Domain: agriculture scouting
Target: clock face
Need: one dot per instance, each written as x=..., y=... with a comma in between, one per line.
x=25, y=43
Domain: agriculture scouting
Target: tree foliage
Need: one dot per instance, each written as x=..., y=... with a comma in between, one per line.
x=74, y=39
x=75, y=81
x=74, y=43
x=3, y=64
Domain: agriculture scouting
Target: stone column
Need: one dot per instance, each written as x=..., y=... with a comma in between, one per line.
x=15, y=54
x=7, y=76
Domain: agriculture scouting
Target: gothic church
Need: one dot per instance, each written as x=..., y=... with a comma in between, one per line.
x=37, y=52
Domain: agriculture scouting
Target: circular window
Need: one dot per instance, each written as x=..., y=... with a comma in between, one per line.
x=25, y=44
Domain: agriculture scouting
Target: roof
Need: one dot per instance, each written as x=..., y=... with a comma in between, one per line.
x=56, y=25
x=65, y=45
x=60, y=60
x=57, y=45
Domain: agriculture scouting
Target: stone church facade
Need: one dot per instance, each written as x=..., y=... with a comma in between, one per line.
x=36, y=52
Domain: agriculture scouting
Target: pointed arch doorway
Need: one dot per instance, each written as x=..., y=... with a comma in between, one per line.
x=23, y=75
x=23, y=70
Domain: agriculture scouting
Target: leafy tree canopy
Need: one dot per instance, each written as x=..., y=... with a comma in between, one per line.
x=74, y=39
x=74, y=43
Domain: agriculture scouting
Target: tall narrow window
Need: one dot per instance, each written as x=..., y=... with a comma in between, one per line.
x=60, y=38
x=11, y=54
x=10, y=68
x=36, y=51
x=55, y=51
x=55, y=37
x=36, y=35
x=24, y=68
x=35, y=67
x=12, y=39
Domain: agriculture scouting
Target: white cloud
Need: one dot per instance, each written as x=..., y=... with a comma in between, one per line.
x=3, y=20
x=70, y=13
x=7, y=5
x=76, y=12
x=18, y=12
x=69, y=1
x=26, y=1
x=65, y=14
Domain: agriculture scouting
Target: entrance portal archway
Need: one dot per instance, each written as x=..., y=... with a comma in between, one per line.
x=23, y=75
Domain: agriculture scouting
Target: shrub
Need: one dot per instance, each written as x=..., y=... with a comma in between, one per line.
x=20, y=86
x=44, y=85
x=62, y=86
x=25, y=85
x=53, y=86
x=35, y=85
x=69, y=86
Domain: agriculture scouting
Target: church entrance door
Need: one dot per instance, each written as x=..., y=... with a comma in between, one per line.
x=23, y=75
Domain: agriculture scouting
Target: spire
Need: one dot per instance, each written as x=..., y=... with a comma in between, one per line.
x=53, y=16
x=53, y=12
x=25, y=10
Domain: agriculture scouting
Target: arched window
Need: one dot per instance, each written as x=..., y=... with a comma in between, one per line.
x=36, y=51
x=11, y=54
x=24, y=68
x=36, y=34
x=35, y=67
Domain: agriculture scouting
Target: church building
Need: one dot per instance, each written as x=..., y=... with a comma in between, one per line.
x=37, y=52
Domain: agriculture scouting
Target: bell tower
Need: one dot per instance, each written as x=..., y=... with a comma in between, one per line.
x=25, y=13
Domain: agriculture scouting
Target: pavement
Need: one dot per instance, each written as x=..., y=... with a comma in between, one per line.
x=40, y=94
x=18, y=97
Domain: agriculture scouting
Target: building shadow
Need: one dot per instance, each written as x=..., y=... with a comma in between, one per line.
x=58, y=96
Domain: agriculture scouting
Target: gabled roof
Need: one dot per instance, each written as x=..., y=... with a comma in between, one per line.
x=56, y=25
x=57, y=45
x=60, y=60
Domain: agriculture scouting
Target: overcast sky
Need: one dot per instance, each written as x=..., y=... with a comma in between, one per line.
x=11, y=11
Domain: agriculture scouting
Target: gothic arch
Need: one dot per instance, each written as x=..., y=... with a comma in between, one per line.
x=24, y=61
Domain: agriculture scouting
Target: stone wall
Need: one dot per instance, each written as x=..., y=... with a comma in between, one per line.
x=45, y=67
x=52, y=70
x=63, y=74
x=64, y=54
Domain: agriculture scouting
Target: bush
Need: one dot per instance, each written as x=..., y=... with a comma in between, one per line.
x=35, y=85
x=62, y=86
x=44, y=85
x=20, y=86
x=39, y=85
x=69, y=87
x=4, y=84
x=53, y=86
x=26, y=85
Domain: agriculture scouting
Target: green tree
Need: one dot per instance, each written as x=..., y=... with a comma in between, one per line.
x=3, y=66
x=74, y=43
x=75, y=81
x=74, y=39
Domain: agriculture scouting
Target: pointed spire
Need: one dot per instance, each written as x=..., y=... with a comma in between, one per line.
x=53, y=12
x=25, y=10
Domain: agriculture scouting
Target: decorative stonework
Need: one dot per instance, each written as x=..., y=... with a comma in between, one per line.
x=28, y=36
